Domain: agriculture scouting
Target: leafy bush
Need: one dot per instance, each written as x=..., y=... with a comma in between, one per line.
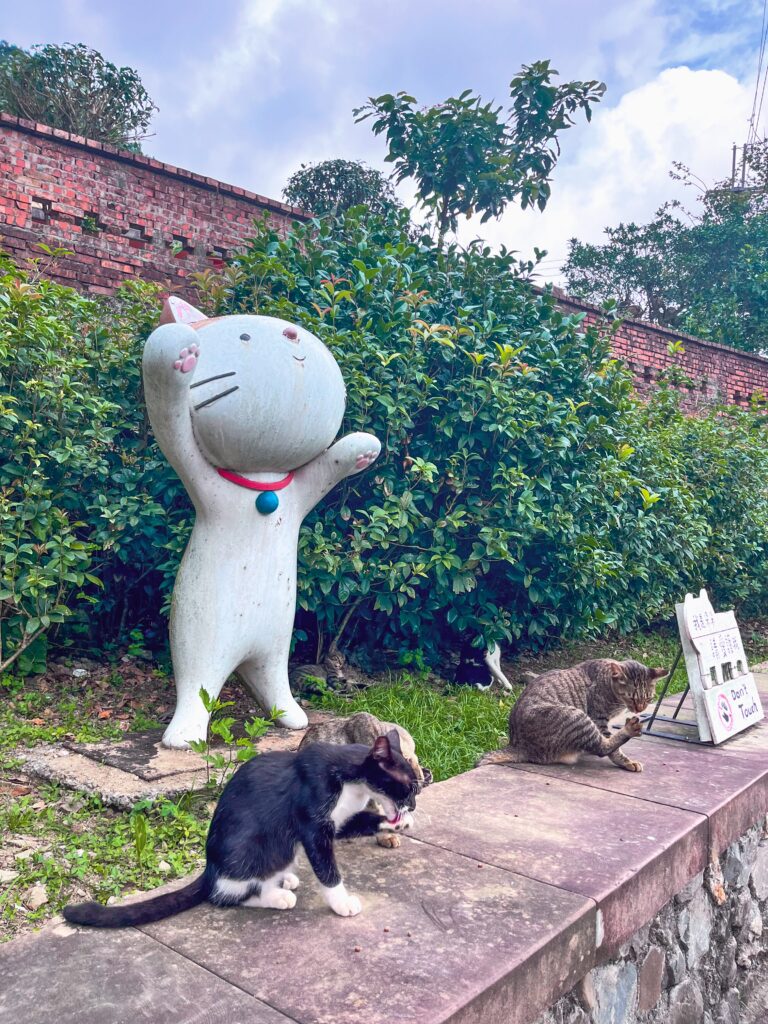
x=74, y=88
x=522, y=494
x=333, y=186
x=506, y=503
x=79, y=524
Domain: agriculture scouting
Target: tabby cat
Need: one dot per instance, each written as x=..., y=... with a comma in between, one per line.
x=271, y=806
x=332, y=671
x=363, y=727
x=565, y=712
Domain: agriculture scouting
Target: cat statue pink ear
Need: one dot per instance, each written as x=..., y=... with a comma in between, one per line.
x=177, y=311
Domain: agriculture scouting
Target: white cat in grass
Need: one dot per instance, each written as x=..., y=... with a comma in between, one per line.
x=244, y=409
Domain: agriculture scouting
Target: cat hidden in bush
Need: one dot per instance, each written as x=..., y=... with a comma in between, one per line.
x=566, y=712
x=481, y=668
x=272, y=805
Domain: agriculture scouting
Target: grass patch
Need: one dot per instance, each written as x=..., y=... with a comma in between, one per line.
x=452, y=729
x=76, y=848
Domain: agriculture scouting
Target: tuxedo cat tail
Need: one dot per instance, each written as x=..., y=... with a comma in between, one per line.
x=98, y=916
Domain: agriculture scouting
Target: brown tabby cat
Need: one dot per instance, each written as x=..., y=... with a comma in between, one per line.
x=365, y=728
x=565, y=712
x=332, y=671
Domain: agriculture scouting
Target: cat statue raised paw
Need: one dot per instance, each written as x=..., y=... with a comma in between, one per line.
x=244, y=408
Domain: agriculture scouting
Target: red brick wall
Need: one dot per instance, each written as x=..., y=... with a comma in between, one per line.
x=719, y=374
x=57, y=186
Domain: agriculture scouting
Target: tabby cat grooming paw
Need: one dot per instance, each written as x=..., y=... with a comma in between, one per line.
x=565, y=712
x=271, y=806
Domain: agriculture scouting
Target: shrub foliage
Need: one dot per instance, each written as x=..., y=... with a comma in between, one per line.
x=521, y=494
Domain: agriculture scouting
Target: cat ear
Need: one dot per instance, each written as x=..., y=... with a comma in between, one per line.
x=177, y=311
x=658, y=673
x=394, y=740
x=616, y=669
x=381, y=750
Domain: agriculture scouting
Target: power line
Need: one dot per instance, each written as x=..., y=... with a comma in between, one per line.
x=755, y=115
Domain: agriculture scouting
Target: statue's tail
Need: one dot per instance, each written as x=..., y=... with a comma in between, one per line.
x=99, y=916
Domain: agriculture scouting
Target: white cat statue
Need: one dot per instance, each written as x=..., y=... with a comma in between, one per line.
x=244, y=408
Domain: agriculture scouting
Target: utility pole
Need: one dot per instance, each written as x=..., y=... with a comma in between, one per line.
x=739, y=181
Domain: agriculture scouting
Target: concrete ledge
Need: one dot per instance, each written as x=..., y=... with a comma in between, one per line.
x=518, y=882
x=626, y=855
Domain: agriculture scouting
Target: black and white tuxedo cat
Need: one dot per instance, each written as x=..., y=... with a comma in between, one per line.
x=269, y=807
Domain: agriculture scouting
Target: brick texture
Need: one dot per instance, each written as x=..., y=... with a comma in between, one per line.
x=719, y=374
x=120, y=213
x=117, y=212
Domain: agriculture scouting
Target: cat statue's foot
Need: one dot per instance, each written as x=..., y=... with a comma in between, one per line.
x=293, y=716
x=185, y=727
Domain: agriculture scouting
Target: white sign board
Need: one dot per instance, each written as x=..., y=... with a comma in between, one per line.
x=724, y=693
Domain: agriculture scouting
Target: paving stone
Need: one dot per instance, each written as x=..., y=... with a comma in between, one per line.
x=695, y=928
x=115, y=787
x=630, y=856
x=80, y=976
x=142, y=754
x=731, y=791
x=138, y=767
x=686, y=1004
x=649, y=979
x=467, y=943
x=615, y=993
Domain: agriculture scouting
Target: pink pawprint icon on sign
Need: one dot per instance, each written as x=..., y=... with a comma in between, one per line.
x=365, y=459
x=187, y=359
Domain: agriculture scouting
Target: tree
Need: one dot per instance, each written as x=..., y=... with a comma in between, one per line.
x=708, y=276
x=471, y=157
x=74, y=88
x=333, y=186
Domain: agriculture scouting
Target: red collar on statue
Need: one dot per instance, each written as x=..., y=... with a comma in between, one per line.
x=255, y=485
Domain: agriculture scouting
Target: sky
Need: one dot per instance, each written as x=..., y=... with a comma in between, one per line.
x=248, y=90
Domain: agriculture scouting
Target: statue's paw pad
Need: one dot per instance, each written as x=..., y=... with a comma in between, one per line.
x=365, y=459
x=187, y=360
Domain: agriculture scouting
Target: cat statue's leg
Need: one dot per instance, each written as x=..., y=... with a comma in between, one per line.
x=195, y=667
x=267, y=679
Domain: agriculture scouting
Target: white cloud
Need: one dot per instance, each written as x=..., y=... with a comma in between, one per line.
x=620, y=169
x=256, y=52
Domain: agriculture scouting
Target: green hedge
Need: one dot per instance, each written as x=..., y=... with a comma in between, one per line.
x=521, y=495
